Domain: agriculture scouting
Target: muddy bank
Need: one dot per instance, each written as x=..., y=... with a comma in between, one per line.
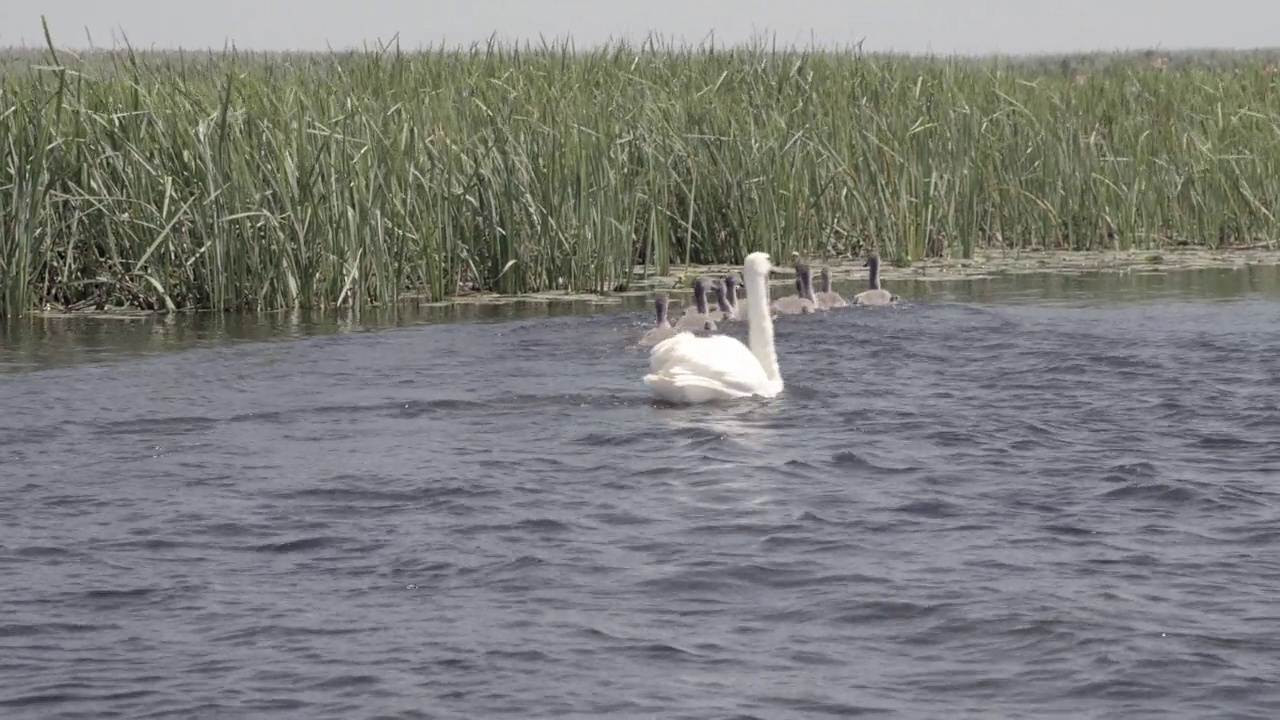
x=984, y=264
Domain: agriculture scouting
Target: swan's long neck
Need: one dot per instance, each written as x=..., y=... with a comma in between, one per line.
x=760, y=325
x=826, y=282
x=875, y=276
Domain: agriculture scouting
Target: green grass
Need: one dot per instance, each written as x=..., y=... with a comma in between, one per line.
x=263, y=181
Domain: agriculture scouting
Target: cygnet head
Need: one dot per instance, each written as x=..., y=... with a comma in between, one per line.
x=826, y=280
x=873, y=262
x=700, y=295
x=732, y=282
x=722, y=297
x=804, y=279
x=660, y=307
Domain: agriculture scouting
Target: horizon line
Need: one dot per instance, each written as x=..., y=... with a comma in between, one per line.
x=651, y=41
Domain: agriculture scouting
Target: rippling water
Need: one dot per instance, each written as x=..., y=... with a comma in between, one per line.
x=976, y=505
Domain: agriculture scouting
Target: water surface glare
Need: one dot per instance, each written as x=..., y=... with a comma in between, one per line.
x=956, y=509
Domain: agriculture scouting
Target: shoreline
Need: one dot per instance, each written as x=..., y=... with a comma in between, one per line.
x=574, y=168
x=983, y=265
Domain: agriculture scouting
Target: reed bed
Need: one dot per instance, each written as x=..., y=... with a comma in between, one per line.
x=235, y=180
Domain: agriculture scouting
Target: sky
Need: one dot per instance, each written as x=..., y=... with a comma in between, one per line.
x=918, y=26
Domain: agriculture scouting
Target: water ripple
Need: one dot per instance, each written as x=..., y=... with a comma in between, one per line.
x=1017, y=511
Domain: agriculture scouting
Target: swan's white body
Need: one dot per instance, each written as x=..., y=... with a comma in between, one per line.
x=686, y=368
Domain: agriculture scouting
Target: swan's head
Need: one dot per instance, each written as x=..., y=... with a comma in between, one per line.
x=826, y=279
x=873, y=262
x=757, y=264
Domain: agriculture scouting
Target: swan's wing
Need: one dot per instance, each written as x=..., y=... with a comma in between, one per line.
x=718, y=360
x=691, y=389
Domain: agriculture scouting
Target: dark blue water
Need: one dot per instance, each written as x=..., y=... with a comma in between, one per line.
x=969, y=509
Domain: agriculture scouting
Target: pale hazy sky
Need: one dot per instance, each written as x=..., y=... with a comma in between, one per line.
x=940, y=26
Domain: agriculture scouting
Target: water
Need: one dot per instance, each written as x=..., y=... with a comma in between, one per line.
x=988, y=503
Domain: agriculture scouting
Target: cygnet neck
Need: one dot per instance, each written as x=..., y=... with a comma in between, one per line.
x=660, y=308
x=804, y=281
x=731, y=289
x=700, y=297
x=722, y=299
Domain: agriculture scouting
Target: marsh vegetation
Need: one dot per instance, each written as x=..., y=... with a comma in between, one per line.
x=234, y=180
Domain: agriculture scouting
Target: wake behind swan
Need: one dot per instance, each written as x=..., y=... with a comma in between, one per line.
x=689, y=369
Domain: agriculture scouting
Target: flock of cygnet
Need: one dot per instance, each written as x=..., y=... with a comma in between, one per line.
x=689, y=368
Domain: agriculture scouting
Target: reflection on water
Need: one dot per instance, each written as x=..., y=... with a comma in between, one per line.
x=1103, y=287
x=36, y=342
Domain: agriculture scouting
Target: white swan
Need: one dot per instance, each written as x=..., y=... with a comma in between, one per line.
x=686, y=368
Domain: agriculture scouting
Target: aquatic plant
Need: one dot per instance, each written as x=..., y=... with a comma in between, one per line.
x=233, y=180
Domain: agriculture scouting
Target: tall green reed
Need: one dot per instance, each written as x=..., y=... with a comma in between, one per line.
x=245, y=181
